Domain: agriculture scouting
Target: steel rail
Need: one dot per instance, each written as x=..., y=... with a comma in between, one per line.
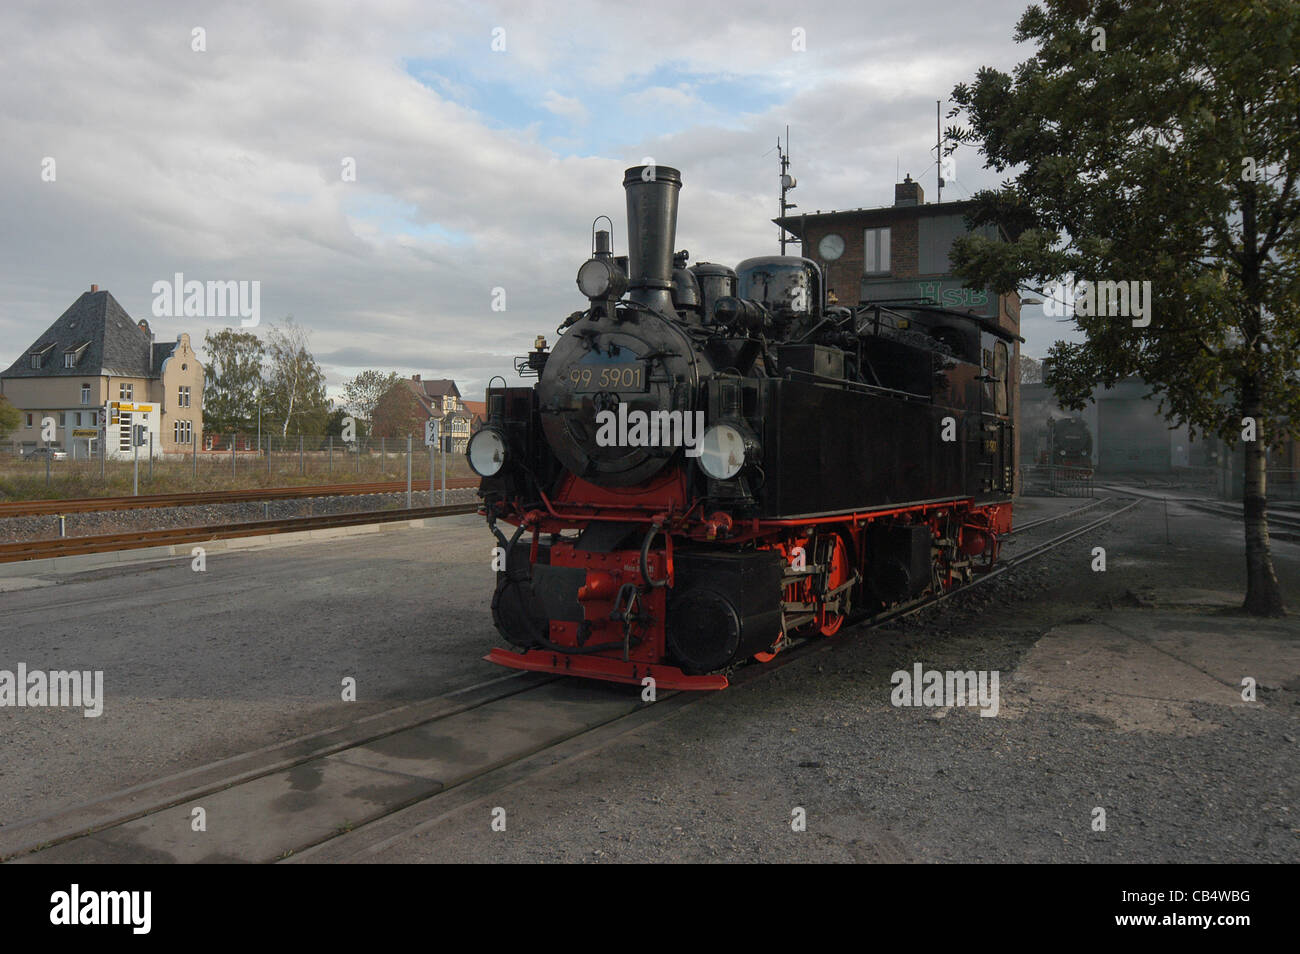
x=55, y=506
x=135, y=539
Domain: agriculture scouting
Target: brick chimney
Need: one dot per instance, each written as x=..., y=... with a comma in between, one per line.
x=908, y=192
x=415, y=377
x=94, y=288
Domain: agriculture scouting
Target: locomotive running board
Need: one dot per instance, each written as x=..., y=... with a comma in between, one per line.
x=597, y=667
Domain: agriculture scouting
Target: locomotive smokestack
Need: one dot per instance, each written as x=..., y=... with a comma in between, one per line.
x=651, y=233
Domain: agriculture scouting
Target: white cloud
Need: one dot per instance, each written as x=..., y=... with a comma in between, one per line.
x=226, y=164
x=569, y=107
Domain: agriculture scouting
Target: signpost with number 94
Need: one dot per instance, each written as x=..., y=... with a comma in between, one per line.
x=431, y=441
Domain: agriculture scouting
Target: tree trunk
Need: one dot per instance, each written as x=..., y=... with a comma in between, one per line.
x=1263, y=595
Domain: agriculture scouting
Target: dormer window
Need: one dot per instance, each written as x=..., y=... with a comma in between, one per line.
x=39, y=353
x=73, y=354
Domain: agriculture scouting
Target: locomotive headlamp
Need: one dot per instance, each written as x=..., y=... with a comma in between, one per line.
x=601, y=278
x=487, y=452
x=725, y=449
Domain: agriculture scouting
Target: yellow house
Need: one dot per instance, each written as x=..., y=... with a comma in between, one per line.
x=95, y=354
x=440, y=400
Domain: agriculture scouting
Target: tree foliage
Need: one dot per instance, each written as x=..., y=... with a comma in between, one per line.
x=295, y=384
x=398, y=413
x=9, y=417
x=234, y=373
x=1158, y=140
x=364, y=392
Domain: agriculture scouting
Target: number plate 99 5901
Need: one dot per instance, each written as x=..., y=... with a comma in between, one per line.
x=628, y=376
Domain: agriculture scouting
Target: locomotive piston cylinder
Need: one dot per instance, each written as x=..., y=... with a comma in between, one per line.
x=651, y=233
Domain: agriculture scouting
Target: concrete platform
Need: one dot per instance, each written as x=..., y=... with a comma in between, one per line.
x=54, y=567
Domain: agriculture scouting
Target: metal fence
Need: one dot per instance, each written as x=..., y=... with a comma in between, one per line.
x=232, y=461
x=1070, y=482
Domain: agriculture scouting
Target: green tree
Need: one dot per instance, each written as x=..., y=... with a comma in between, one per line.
x=234, y=373
x=334, y=423
x=295, y=384
x=364, y=391
x=9, y=417
x=1158, y=140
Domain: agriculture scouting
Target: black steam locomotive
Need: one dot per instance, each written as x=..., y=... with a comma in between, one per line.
x=715, y=461
x=1066, y=442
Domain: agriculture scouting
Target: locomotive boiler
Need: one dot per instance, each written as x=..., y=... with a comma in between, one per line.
x=715, y=462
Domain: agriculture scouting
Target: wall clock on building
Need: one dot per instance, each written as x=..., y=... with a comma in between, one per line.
x=831, y=247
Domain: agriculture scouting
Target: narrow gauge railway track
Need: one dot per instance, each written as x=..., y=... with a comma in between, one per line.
x=357, y=787
x=1281, y=524
x=1021, y=528
x=54, y=507
x=135, y=539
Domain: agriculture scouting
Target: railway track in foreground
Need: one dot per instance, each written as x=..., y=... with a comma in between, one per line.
x=350, y=790
x=135, y=539
x=55, y=507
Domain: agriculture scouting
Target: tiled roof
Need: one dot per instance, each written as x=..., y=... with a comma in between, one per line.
x=440, y=388
x=114, y=343
x=161, y=352
x=429, y=395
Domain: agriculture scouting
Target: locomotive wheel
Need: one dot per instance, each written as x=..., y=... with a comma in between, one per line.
x=838, y=573
x=829, y=624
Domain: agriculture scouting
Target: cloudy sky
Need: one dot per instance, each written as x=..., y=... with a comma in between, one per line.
x=476, y=168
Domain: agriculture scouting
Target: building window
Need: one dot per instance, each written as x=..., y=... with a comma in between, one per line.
x=85, y=394
x=69, y=359
x=183, y=432
x=29, y=420
x=183, y=397
x=875, y=251
x=125, y=392
x=94, y=418
x=63, y=419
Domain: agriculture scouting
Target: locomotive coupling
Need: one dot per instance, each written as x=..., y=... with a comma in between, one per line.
x=718, y=523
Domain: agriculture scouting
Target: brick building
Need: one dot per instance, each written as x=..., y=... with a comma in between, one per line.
x=899, y=255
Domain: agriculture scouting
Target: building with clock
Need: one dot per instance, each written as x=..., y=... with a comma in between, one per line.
x=899, y=255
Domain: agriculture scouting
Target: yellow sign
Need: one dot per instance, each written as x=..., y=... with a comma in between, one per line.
x=84, y=432
x=142, y=408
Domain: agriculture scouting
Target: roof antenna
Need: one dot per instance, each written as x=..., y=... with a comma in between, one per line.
x=787, y=183
x=938, y=151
